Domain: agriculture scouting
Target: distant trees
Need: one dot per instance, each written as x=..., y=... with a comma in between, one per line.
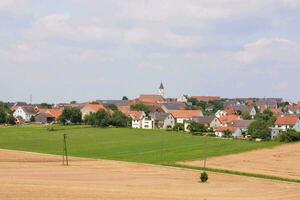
x=289, y=136
x=6, y=116
x=259, y=129
x=46, y=105
x=71, y=115
x=104, y=119
x=113, y=107
x=246, y=116
x=3, y=116
x=140, y=107
x=197, y=128
x=208, y=108
x=178, y=127
x=266, y=116
x=125, y=98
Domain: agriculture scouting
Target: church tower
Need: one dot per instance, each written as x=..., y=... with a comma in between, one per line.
x=161, y=89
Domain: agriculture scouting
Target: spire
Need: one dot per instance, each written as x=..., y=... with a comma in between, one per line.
x=161, y=87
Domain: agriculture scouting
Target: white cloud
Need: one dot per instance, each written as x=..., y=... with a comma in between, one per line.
x=277, y=51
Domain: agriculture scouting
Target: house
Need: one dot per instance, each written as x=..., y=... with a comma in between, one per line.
x=235, y=131
x=162, y=120
x=147, y=122
x=240, y=109
x=25, y=112
x=173, y=106
x=209, y=121
x=183, y=115
x=226, y=120
x=50, y=115
x=283, y=123
x=137, y=117
x=151, y=98
x=91, y=108
x=241, y=124
x=183, y=99
x=206, y=98
x=220, y=113
x=44, y=118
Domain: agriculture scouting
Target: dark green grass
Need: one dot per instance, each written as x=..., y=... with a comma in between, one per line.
x=145, y=146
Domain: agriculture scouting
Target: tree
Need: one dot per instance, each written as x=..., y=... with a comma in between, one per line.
x=113, y=107
x=266, y=116
x=118, y=119
x=246, y=115
x=195, y=127
x=178, y=127
x=125, y=98
x=227, y=134
x=73, y=102
x=140, y=107
x=32, y=119
x=259, y=129
x=3, y=116
x=204, y=177
x=99, y=118
x=71, y=115
x=46, y=105
x=289, y=136
x=10, y=119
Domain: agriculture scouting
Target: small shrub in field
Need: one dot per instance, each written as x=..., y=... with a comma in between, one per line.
x=204, y=177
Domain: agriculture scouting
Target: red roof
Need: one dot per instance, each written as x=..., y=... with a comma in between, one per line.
x=135, y=114
x=149, y=98
x=206, y=98
x=186, y=114
x=55, y=112
x=228, y=118
x=95, y=107
x=229, y=128
x=287, y=120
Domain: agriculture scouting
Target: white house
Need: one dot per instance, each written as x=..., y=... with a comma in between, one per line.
x=235, y=131
x=283, y=123
x=137, y=117
x=147, y=123
x=220, y=113
x=182, y=98
x=25, y=112
x=184, y=115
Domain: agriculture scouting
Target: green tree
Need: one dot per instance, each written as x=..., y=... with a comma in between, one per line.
x=140, y=107
x=3, y=116
x=118, y=119
x=259, y=129
x=267, y=116
x=10, y=119
x=71, y=115
x=46, y=105
x=125, y=98
x=246, y=116
x=195, y=127
x=113, y=107
x=289, y=136
x=99, y=118
x=178, y=127
x=227, y=134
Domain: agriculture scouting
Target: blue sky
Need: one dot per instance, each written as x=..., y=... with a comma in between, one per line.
x=62, y=50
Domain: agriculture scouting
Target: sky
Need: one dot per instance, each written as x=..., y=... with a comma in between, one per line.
x=63, y=50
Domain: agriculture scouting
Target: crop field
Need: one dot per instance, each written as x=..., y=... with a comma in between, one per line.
x=144, y=146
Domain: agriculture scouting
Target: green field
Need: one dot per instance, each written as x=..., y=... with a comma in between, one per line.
x=146, y=146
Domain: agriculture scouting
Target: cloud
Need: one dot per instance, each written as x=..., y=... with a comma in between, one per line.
x=276, y=51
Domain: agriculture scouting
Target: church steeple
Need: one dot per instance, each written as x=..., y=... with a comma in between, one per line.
x=161, y=89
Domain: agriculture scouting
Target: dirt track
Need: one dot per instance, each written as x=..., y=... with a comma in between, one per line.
x=33, y=176
x=283, y=161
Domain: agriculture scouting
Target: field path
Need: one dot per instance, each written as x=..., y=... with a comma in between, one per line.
x=282, y=161
x=37, y=176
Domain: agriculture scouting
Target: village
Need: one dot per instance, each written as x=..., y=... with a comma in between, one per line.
x=208, y=115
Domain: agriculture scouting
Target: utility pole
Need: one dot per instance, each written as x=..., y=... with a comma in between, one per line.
x=65, y=151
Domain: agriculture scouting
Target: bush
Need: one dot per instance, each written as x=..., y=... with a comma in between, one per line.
x=289, y=136
x=204, y=177
x=197, y=128
x=71, y=115
x=259, y=129
x=178, y=127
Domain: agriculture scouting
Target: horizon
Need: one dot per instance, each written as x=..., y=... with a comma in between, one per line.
x=59, y=51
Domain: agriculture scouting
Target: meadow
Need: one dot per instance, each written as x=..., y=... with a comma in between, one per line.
x=134, y=145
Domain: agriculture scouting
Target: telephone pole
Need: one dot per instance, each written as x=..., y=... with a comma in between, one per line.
x=65, y=151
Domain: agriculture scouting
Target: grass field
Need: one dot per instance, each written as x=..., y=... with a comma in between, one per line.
x=145, y=146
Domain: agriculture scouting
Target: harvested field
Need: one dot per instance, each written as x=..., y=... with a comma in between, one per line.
x=37, y=176
x=282, y=161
